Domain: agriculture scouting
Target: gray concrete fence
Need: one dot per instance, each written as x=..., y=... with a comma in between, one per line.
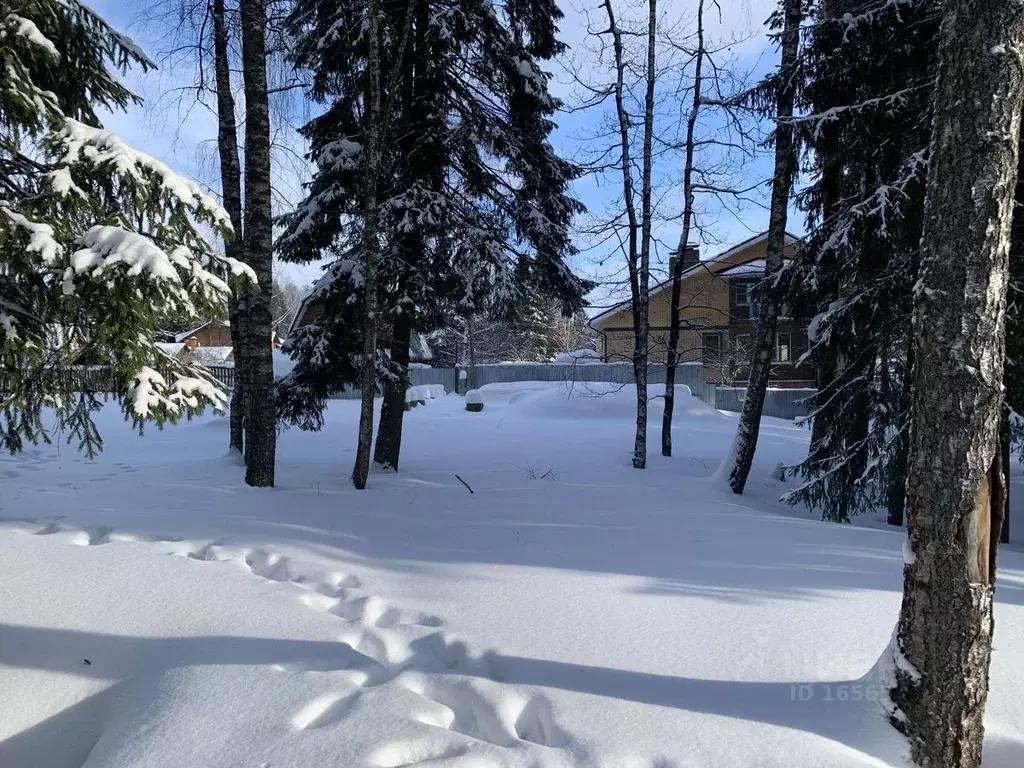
x=780, y=403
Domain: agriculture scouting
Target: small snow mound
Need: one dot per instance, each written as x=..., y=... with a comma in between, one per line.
x=474, y=397
x=580, y=356
x=605, y=400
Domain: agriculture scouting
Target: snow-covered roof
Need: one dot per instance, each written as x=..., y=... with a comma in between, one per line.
x=186, y=334
x=753, y=268
x=709, y=264
x=173, y=348
x=212, y=354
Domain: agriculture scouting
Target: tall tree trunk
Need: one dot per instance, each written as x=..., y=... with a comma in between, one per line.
x=782, y=184
x=231, y=188
x=388, y=446
x=1005, y=450
x=638, y=276
x=956, y=486
x=896, y=499
x=260, y=422
x=645, y=218
x=672, y=360
x=371, y=161
x=471, y=349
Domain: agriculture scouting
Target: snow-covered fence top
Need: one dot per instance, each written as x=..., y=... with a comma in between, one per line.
x=780, y=403
x=692, y=375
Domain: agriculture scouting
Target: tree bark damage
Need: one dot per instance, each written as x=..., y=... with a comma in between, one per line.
x=956, y=486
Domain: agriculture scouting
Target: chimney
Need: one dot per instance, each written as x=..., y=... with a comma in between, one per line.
x=691, y=256
x=671, y=266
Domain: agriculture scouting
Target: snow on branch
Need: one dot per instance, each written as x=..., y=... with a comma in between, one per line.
x=150, y=393
x=41, y=238
x=27, y=29
x=106, y=150
x=890, y=100
x=105, y=246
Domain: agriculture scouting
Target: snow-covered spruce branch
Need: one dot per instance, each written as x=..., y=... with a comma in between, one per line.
x=834, y=114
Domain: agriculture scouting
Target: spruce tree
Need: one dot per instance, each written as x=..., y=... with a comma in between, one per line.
x=473, y=204
x=99, y=243
x=867, y=78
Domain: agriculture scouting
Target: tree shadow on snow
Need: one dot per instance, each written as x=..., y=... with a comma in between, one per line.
x=839, y=711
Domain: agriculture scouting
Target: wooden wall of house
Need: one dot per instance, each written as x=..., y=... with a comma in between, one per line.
x=213, y=335
x=705, y=305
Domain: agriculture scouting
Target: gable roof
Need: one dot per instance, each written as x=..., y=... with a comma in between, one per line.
x=185, y=334
x=709, y=264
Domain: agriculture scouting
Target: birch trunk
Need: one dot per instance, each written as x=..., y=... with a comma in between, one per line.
x=956, y=487
x=371, y=161
x=638, y=275
x=260, y=419
x=645, y=220
x=782, y=184
x=231, y=190
x=672, y=360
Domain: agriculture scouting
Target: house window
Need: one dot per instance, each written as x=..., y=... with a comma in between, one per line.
x=741, y=293
x=783, y=348
x=712, y=348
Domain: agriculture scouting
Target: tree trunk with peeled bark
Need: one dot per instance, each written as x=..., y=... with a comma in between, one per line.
x=782, y=184
x=260, y=418
x=956, y=487
x=231, y=190
x=388, y=446
x=371, y=161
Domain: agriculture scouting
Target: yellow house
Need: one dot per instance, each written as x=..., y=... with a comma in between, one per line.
x=718, y=318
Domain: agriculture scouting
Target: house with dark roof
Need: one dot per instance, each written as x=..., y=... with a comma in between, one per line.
x=718, y=319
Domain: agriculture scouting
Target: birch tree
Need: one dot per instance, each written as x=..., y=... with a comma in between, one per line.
x=676, y=270
x=660, y=68
x=636, y=244
x=956, y=485
x=231, y=194
x=745, y=445
x=260, y=416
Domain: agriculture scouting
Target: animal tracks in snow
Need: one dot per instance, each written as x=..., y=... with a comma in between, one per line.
x=441, y=685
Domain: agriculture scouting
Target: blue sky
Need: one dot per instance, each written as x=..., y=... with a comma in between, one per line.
x=180, y=131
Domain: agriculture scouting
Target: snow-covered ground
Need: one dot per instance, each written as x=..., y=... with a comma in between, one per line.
x=569, y=611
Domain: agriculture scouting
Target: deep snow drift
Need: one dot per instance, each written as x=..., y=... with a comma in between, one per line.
x=570, y=611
